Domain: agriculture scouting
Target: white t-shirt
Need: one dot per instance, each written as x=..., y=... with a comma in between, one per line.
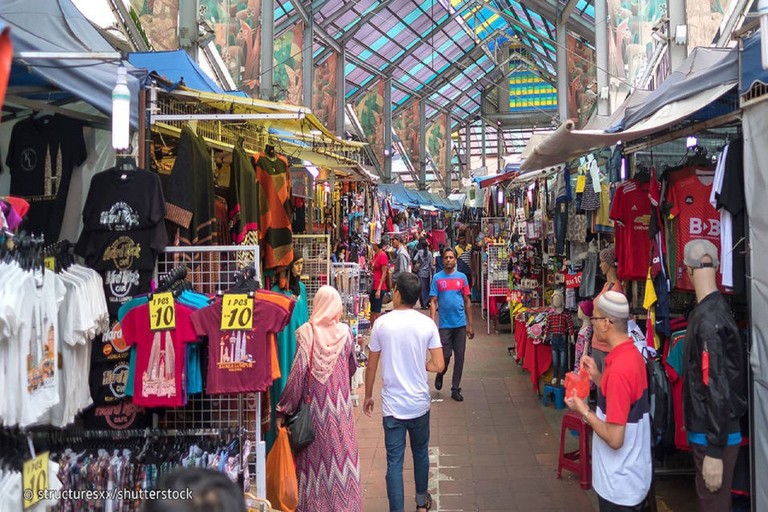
x=726, y=224
x=403, y=337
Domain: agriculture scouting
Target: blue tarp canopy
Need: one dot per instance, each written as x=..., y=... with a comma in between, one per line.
x=752, y=71
x=410, y=198
x=178, y=68
x=57, y=26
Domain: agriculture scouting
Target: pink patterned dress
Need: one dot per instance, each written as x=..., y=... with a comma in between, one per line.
x=328, y=469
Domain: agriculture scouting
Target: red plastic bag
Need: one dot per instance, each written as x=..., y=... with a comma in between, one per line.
x=282, y=485
x=578, y=381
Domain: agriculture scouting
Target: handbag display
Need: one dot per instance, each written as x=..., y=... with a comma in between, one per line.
x=300, y=424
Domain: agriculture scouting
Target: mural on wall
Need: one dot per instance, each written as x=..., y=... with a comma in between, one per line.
x=288, y=73
x=630, y=45
x=159, y=19
x=407, y=129
x=370, y=113
x=582, y=80
x=704, y=19
x=237, y=29
x=436, y=141
x=324, y=94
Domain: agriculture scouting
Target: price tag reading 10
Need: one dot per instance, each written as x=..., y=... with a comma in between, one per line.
x=236, y=312
x=162, y=312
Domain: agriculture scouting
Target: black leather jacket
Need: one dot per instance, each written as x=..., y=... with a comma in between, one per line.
x=714, y=409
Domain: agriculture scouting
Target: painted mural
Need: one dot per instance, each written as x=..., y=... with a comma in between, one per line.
x=407, y=129
x=370, y=113
x=288, y=72
x=159, y=19
x=324, y=94
x=237, y=28
x=582, y=80
x=436, y=141
x=704, y=19
x=630, y=45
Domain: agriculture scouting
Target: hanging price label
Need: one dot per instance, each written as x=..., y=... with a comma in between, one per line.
x=35, y=479
x=50, y=263
x=573, y=280
x=162, y=312
x=237, y=312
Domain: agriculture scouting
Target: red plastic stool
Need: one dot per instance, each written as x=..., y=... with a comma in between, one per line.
x=578, y=461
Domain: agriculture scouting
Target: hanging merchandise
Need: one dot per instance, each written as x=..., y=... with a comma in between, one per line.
x=43, y=151
x=631, y=212
x=274, y=209
x=242, y=201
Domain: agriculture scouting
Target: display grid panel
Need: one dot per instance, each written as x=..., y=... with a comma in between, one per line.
x=316, y=251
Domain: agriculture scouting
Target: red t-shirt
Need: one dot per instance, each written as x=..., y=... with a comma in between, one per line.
x=240, y=361
x=380, y=260
x=696, y=219
x=160, y=357
x=631, y=212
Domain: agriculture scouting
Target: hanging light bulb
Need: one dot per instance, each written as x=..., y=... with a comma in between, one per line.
x=762, y=11
x=500, y=196
x=121, y=111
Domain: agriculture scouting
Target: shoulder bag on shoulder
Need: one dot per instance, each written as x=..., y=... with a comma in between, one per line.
x=300, y=424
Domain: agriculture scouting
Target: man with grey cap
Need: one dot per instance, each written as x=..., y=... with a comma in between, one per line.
x=402, y=257
x=714, y=381
x=621, y=443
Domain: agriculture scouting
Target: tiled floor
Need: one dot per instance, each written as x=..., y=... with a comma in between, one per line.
x=495, y=451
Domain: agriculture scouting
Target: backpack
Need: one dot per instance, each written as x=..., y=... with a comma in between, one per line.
x=660, y=397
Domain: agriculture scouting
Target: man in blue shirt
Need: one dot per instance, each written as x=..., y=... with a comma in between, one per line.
x=451, y=294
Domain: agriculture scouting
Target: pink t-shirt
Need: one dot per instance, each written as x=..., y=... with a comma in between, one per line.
x=160, y=356
x=240, y=361
x=379, y=261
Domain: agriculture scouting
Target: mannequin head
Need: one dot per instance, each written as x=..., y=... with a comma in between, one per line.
x=701, y=266
x=298, y=267
x=557, y=301
x=608, y=264
x=586, y=309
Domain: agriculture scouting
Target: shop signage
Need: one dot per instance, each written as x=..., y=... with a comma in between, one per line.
x=236, y=312
x=162, y=312
x=573, y=280
x=35, y=479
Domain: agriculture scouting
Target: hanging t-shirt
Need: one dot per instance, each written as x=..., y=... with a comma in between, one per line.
x=41, y=156
x=696, y=219
x=242, y=200
x=275, y=210
x=240, y=361
x=732, y=201
x=631, y=211
x=160, y=356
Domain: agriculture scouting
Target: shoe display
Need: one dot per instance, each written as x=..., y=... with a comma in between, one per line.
x=456, y=395
x=439, y=381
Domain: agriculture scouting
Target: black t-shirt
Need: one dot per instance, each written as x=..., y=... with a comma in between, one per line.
x=120, y=286
x=732, y=198
x=122, y=250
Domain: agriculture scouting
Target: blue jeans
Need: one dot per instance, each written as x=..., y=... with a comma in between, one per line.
x=559, y=351
x=394, y=440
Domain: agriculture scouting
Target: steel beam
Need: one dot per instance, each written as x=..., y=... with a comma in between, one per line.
x=677, y=52
x=448, y=166
x=483, y=141
x=338, y=13
x=321, y=33
x=295, y=18
x=468, y=148
x=562, y=70
x=422, y=144
x=387, y=131
x=547, y=9
x=601, y=54
x=267, y=49
x=188, y=31
x=347, y=35
x=308, y=65
x=341, y=93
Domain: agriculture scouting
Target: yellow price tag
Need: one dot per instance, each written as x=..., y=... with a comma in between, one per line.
x=50, y=263
x=35, y=478
x=236, y=312
x=162, y=312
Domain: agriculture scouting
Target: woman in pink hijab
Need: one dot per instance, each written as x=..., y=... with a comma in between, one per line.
x=328, y=469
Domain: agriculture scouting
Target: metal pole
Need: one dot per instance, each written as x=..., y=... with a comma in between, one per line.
x=601, y=52
x=188, y=31
x=483, y=141
x=388, y=130
x=341, y=92
x=468, y=148
x=562, y=71
x=267, y=48
x=422, y=144
x=500, y=147
x=448, y=166
x=307, y=64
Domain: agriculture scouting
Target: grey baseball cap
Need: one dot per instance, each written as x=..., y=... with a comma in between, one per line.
x=697, y=250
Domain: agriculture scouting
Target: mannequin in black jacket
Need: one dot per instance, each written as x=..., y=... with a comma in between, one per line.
x=714, y=396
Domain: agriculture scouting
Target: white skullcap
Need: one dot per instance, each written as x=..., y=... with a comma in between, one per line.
x=613, y=304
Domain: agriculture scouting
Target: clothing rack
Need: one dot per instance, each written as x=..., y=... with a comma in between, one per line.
x=136, y=433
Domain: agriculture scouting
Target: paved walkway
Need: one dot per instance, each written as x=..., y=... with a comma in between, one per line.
x=495, y=451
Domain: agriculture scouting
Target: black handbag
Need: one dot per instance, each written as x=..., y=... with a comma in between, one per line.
x=300, y=425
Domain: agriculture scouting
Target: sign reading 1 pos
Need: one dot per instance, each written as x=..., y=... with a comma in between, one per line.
x=162, y=312
x=236, y=312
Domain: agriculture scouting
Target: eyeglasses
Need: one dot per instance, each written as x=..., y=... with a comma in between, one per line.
x=600, y=318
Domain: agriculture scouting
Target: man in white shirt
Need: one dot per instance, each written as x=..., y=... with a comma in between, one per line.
x=401, y=340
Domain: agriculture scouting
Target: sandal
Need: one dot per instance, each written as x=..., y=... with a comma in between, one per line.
x=427, y=505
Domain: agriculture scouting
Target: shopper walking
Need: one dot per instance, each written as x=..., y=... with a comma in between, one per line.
x=439, y=258
x=405, y=396
x=329, y=468
x=621, y=443
x=422, y=266
x=380, y=267
x=450, y=292
x=402, y=257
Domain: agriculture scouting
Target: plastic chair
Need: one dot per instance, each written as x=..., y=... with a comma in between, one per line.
x=558, y=392
x=578, y=461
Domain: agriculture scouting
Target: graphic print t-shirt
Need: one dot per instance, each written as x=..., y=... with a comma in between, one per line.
x=159, y=356
x=450, y=290
x=696, y=219
x=240, y=361
x=631, y=211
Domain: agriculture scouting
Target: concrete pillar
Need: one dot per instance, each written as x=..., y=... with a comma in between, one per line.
x=422, y=144
x=562, y=71
x=341, y=93
x=267, y=48
x=307, y=61
x=387, y=168
x=601, y=53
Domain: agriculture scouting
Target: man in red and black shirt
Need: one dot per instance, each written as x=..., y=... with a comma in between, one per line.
x=621, y=444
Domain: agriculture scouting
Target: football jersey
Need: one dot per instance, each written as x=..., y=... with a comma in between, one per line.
x=631, y=213
x=696, y=219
